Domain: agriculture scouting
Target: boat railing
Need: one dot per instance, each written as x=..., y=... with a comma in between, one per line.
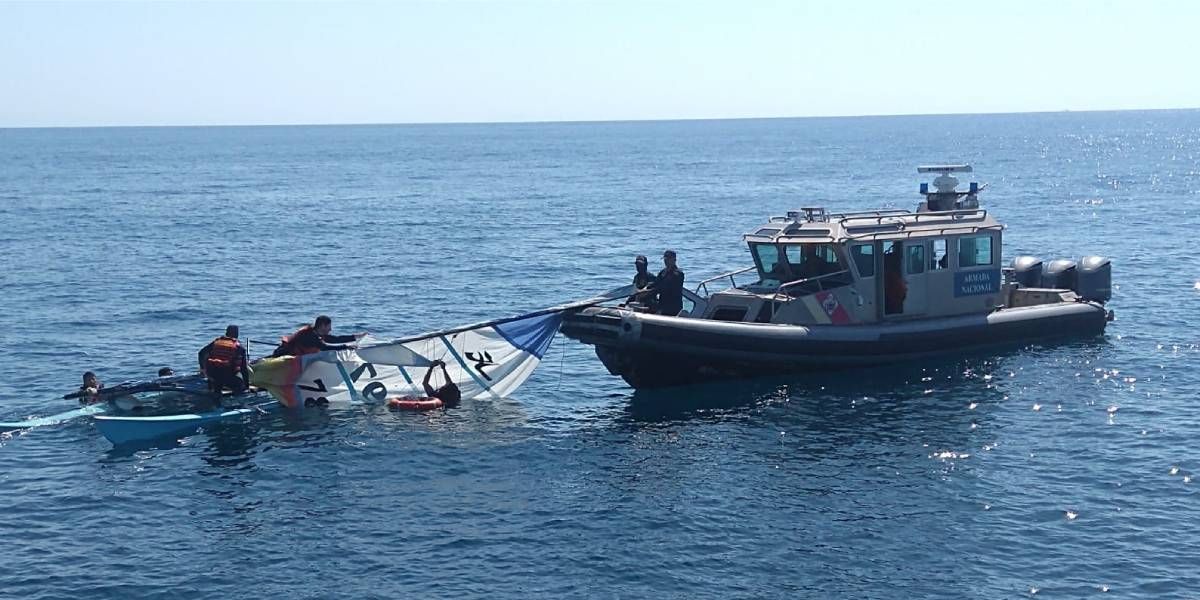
x=703, y=285
x=867, y=214
x=918, y=218
x=820, y=280
x=899, y=231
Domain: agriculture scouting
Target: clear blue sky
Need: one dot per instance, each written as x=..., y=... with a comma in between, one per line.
x=93, y=63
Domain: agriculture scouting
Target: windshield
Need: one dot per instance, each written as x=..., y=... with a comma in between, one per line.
x=770, y=263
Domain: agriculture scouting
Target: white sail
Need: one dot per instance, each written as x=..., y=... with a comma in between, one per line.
x=485, y=361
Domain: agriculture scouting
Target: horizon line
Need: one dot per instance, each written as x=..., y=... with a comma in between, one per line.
x=599, y=121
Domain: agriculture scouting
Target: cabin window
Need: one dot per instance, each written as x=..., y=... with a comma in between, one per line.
x=975, y=251
x=939, y=259
x=864, y=259
x=914, y=258
x=769, y=265
x=812, y=260
x=799, y=255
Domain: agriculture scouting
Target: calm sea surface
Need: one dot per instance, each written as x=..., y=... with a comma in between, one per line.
x=1061, y=471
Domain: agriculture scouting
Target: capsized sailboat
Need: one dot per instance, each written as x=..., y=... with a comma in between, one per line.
x=485, y=360
x=490, y=359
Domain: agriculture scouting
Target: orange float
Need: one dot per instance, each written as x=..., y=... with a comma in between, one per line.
x=410, y=403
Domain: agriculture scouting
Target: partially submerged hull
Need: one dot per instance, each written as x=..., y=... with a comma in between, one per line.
x=653, y=350
x=121, y=430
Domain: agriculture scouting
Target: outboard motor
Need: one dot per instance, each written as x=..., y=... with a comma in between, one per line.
x=1027, y=271
x=1095, y=279
x=1060, y=274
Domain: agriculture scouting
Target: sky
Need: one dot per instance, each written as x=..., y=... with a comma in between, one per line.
x=192, y=63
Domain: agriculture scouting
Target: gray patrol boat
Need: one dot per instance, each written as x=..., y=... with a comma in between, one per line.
x=841, y=290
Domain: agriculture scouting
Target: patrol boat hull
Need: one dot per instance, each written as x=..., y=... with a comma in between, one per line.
x=653, y=351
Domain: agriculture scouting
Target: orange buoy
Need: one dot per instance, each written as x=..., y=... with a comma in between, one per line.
x=410, y=403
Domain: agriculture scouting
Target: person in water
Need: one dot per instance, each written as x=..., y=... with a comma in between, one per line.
x=223, y=360
x=643, y=283
x=449, y=393
x=90, y=390
x=166, y=372
x=314, y=338
x=669, y=286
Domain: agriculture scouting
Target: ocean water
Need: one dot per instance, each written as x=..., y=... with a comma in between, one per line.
x=1056, y=471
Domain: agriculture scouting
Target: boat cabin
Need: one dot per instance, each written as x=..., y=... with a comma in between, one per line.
x=814, y=267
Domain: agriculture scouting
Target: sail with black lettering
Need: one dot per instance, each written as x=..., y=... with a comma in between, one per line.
x=486, y=360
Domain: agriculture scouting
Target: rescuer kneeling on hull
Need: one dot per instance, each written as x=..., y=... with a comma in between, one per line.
x=223, y=360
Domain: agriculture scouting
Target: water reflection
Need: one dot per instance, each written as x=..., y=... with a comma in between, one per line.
x=811, y=393
x=878, y=390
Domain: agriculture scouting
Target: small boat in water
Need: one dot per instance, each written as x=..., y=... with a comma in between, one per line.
x=122, y=430
x=484, y=360
x=126, y=397
x=857, y=289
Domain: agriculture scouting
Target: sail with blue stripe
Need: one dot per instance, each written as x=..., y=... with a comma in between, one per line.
x=489, y=360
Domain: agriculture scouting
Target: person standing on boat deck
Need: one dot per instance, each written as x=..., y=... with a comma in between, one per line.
x=895, y=288
x=222, y=360
x=643, y=283
x=90, y=390
x=314, y=338
x=669, y=286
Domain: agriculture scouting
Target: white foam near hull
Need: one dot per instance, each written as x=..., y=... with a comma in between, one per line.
x=56, y=419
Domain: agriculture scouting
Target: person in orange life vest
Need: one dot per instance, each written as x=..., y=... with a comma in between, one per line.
x=222, y=360
x=90, y=389
x=449, y=393
x=314, y=338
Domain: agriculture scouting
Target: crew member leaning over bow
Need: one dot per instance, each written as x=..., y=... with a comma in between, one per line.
x=314, y=338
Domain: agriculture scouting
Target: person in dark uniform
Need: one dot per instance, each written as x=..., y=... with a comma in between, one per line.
x=895, y=288
x=223, y=360
x=669, y=286
x=314, y=338
x=643, y=283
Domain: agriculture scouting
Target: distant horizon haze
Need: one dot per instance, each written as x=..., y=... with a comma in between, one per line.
x=601, y=121
x=98, y=64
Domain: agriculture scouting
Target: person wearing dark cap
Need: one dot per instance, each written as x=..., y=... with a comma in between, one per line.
x=222, y=360
x=643, y=283
x=669, y=286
